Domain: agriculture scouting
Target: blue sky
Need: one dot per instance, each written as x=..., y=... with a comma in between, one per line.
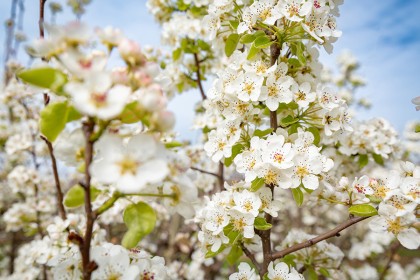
x=383, y=35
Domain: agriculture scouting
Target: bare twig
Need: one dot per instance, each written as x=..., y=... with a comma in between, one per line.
x=221, y=176
x=250, y=256
x=199, y=83
x=308, y=243
x=88, y=265
x=205, y=172
x=58, y=190
x=41, y=17
x=393, y=251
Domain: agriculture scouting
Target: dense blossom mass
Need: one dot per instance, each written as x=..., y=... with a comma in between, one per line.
x=95, y=184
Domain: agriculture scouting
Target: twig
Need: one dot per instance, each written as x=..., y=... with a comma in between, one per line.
x=221, y=177
x=88, y=265
x=205, y=172
x=200, y=86
x=41, y=17
x=58, y=190
x=266, y=241
x=393, y=252
x=308, y=243
x=250, y=256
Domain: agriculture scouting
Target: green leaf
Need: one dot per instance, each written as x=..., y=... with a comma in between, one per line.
x=300, y=48
x=310, y=274
x=173, y=144
x=231, y=233
x=182, y=6
x=53, y=119
x=236, y=149
x=176, y=54
x=73, y=114
x=257, y=184
x=259, y=33
x=247, y=38
x=378, y=159
x=75, y=197
x=231, y=43
x=234, y=254
x=131, y=238
x=289, y=260
x=262, y=133
x=363, y=160
x=324, y=272
x=203, y=45
x=261, y=224
x=293, y=128
x=140, y=220
x=44, y=77
x=234, y=24
x=316, y=134
x=297, y=196
x=289, y=120
x=132, y=113
x=211, y=254
x=253, y=51
x=363, y=210
x=374, y=199
x=262, y=42
x=294, y=63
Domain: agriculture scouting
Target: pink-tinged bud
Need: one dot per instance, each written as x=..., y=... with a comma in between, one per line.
x=130, y=52
x=165, y=120
x=152, y=98
x=119, y=76
x=142, y=78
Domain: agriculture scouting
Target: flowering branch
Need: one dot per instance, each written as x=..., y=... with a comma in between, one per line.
x=266, y=234
x=308, y=243
x=88, y=266
x=200, y=86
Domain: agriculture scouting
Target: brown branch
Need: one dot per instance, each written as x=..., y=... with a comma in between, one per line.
x=251, y=257
x=221, y=177
x=266, y=241
x=266, y=234
x=205, y=172
x=199, y=83
x=394, y=248
x=308, y=243
x=58, y=190
x=88, y=265
x=41, y=17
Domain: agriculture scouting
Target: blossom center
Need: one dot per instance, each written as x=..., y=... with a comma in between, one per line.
x=99, y=99
x=395, y=226
x=128, y=165
x=302, y=171
x=271, y=177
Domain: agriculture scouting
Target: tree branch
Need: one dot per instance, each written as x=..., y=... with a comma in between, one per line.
x=58, y=190
x=221, y=175
x=205, y=172
x=200, y=86
x=88, y=266
x=393, y=251
x=41, y=17
x=308, y=243
x=250, y=256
